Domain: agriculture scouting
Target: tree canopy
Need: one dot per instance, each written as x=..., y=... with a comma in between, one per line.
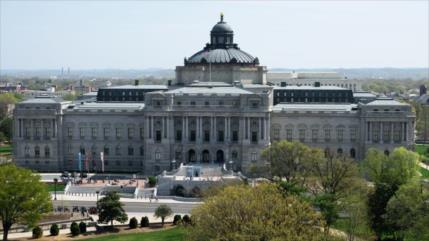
x=111, y=209
x=262, y=213
x=162, y=212
x=23, y=198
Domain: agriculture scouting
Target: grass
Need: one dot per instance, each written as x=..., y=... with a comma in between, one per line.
x=173, y=234
x=422, y=149
x=362, y=231
x=51, y=187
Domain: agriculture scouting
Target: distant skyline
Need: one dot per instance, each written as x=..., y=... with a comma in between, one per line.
x=282, y=34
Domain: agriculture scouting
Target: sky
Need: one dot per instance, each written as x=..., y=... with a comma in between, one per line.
x=145, y=34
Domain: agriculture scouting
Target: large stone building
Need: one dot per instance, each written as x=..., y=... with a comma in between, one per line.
x=219, y=110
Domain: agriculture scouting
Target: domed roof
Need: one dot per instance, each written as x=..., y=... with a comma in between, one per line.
x=222, y=56
x=222, y=49
x=222, y=27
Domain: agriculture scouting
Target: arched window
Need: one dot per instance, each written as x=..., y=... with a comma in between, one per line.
x=157, y=156
x=352, y=153
x=47, y=151
x=37, y=151
x=339, y=151
x=106, y=150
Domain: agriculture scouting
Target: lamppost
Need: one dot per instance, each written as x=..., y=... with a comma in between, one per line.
x=173, y=164
x=97, y=194
x=55, y=188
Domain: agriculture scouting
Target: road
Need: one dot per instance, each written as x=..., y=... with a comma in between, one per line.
x=129, y=206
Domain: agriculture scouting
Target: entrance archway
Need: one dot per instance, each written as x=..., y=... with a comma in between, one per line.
x=206, y=156
x=220, y=157
x=191, y=156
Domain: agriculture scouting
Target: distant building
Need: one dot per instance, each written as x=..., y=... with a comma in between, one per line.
x=311, y=78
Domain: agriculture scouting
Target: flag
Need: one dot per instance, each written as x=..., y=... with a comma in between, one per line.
x=102, y=161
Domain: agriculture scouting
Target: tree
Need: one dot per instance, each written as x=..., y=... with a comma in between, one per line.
x=177, y=218
x=54, y=230
x=74, y=229
x=289, y=160
x=162, y=212
x=186, y=219
x=6, y=127
x=152, y=181
x=262, y=213
x=82, y=227
x=387, y=173
x=133, y=223
x=23, y=198
x=407, y=210
x=37, y=232
x=110, y=209
x=69, y=97
x=144, y=222
x=327, y=205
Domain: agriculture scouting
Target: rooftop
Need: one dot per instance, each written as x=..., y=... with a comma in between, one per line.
x=314, y=107
x=156, y=87
x=43, y=100
x=109, y=106
x=306, y=87
x=209, y=90
x=385, y=101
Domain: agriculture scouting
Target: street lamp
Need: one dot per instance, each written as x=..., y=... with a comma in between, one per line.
x=97, y=194
x=55, y=188
x=173, y=164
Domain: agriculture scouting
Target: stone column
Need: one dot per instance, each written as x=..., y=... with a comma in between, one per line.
x=405, y=132
x=391, y=132
x=381, y=132
x=248, y=128
x=225, y=129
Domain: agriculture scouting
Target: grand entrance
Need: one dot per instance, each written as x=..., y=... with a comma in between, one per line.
x=220, y=156
x=206, y=156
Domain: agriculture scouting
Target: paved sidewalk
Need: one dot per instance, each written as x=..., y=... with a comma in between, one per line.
x=45, y=233
x=62, y=197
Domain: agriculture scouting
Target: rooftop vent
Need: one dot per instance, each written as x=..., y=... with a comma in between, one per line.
x=136, y=82
x=316, y=84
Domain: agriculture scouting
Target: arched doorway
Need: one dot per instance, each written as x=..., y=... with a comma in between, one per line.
x=206, y=156
x=220, y=157
x=191, y=156
x=353, y=153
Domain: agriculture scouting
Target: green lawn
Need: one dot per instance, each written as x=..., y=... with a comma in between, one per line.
x=174, y=234
x=51, y=188
x=422, y=149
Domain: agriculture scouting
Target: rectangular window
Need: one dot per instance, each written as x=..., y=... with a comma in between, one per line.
x=192, y=136
x=289, y=134
x=254, y=136
x=106, y=132
x=178, y=135
x=130, y=133
x=353, y=134
x=253, y=157
x=235, y=136
x=220, y=137
x=69, y=132
x=118, y=133
x=130, y=151
x=158, y=156
x=340, y=134
x=94, y=132
x=301, y=133
x=82, y=132
x=314, y=135
x=106, y=151
x=207, y=136
x=276, y=134
x=37, y=133
x=327, y=135
x=158, y=136
x=141, y=133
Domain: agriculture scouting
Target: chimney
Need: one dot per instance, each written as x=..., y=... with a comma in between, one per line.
x=136, y=82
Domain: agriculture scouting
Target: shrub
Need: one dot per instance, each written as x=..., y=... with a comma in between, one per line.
x=179, y=190
x=37, y=232
x=133, y=223
x=82, y=227
x=54, y=230
x=186, y=219
x=152, y=181
x=74, y=229
x=144, y=222
x=177, y=219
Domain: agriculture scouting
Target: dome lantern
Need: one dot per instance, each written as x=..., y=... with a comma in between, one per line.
x=222, y=35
